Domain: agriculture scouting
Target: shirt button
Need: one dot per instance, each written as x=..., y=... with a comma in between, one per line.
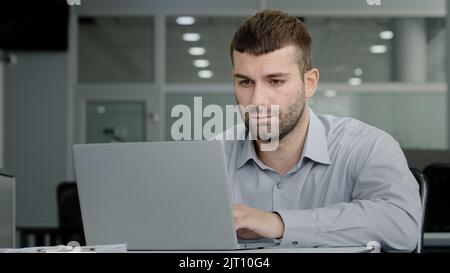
x=295, y=243
x=280, y=186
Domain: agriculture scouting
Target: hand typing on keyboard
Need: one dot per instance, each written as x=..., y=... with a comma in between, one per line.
x=253, y=224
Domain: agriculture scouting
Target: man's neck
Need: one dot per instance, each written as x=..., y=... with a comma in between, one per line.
x=290, y=147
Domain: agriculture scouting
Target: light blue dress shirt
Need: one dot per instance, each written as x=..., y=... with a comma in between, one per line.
x=352, y=185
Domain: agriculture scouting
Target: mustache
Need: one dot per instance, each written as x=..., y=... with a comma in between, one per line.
x=261, y=110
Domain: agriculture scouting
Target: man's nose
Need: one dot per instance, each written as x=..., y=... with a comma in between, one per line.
x=259, y=95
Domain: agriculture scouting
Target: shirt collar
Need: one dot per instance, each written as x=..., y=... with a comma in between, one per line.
x=247, y=151
x=315, y=147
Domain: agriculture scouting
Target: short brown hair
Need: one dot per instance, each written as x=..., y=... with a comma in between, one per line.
x=269, y=30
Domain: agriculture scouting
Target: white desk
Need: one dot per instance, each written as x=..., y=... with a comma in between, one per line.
x=361, y=249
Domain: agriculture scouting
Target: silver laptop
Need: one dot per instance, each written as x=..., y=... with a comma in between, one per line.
x=7, y=209
x=157, y=195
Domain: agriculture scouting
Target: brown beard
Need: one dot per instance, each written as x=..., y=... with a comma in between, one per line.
x=289, y=119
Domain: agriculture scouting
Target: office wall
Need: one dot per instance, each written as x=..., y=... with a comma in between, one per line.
x=35, y=133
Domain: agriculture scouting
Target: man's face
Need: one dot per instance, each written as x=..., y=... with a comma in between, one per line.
x=268, y=80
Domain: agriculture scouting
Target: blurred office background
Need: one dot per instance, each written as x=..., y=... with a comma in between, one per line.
x=111, y=70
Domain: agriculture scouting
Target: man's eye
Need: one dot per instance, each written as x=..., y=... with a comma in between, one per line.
x=276, y=82
x=244, y=83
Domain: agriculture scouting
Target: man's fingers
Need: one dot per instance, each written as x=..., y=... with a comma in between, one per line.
x=238, y=210
x=241, y=222
x=238, y=223
x=263, y=223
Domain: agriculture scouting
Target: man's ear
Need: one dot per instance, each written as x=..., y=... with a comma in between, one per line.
x=311, y=78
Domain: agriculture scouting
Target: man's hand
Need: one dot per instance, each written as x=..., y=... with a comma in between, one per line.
x=252, y=224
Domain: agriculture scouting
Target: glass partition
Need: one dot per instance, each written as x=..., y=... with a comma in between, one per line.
x=115, y=49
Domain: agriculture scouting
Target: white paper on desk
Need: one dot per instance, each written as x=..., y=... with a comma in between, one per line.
x=63, y=249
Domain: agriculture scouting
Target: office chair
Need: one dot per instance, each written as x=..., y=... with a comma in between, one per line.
x=438, y=218
x=423, y=192
x=69, y=213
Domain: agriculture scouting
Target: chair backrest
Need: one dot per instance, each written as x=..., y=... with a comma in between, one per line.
x=69, y=213
x=438, y=218
x=423, y=191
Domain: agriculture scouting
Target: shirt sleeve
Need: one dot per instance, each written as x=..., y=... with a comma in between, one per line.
x=385, y=205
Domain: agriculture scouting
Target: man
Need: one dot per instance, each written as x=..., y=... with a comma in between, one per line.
x=331, y=181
